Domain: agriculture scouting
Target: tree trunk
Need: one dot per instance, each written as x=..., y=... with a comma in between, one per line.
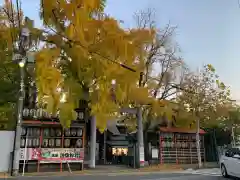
x=198, y=144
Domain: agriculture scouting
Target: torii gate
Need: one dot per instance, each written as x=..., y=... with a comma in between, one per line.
x=138, y=112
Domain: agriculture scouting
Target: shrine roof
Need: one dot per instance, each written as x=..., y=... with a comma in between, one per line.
x=180, y=130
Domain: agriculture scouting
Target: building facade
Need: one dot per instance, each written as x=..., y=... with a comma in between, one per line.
x=46, y=146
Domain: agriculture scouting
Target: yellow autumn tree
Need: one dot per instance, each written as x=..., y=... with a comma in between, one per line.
x=163, y=71
x=85, y=51
x=205, y=97
x=11, y=21
x=8, y=70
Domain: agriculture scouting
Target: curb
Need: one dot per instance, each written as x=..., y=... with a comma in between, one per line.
x=103, y=173
x=141, y=171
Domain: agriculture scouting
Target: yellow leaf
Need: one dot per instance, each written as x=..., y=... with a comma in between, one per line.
x=91, y=47
x=211, y=68
x=67, y=114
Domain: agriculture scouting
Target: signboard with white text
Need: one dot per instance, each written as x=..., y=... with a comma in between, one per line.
x=61, y=154
x=52, y=155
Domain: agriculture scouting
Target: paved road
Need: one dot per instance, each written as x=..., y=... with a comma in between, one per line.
x=156, y=176
x=190, y=174
x=210, y=171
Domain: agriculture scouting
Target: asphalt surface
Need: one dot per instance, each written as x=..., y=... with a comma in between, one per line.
x=152, y=176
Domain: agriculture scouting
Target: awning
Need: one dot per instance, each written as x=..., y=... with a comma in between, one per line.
x=180, y=130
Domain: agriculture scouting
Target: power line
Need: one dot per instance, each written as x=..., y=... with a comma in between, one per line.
x=105, y=57
x=70, y=42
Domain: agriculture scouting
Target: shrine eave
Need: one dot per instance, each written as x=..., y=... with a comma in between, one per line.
x=180, y=130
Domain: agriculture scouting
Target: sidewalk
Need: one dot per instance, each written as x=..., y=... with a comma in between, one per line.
x=4, y=176
x=111, y=170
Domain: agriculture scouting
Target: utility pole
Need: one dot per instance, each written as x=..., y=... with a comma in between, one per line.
x=233, y=137
x=198, y=129
x=21, y=59
x=140, y=130
x=198, y=143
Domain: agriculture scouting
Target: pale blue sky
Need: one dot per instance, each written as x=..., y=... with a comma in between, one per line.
x=208, y=30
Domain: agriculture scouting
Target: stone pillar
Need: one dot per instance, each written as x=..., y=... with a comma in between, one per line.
x=140, y=138
x=93, y=137
x=105, y=148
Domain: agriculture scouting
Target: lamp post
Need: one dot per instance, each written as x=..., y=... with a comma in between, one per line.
x=21, y=59
x=17, y=140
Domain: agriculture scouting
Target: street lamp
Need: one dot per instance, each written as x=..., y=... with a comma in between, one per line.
x=20, y=58
x=21, y=64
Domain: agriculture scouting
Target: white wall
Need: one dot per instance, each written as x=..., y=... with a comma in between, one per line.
x=6, y=146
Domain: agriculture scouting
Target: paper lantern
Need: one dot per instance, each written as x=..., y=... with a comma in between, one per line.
x=45, y=142
x=51, y=142
x=24, y=131
x=67, y=143
x=58, y=142
x=67, y=132
x=52, y=132
x=79, y=132
x=73, y=131
x=58, y=132
x=46, y=132
x=79, y=143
